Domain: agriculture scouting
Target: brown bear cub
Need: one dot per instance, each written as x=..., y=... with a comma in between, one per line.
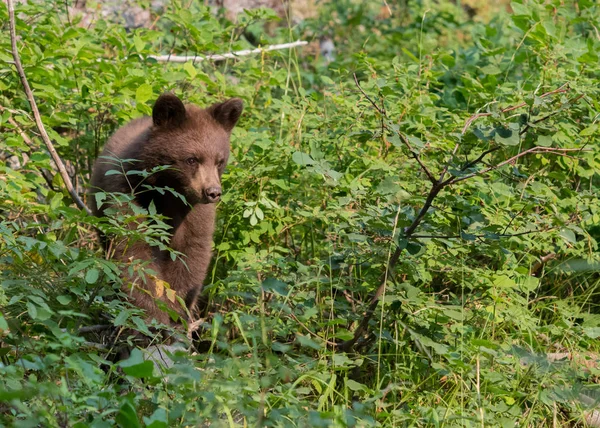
x=192, y=146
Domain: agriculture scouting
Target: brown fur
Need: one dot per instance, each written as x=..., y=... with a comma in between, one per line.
x=174, y=136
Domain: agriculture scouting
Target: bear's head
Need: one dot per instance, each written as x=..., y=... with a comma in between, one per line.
x=194, y=143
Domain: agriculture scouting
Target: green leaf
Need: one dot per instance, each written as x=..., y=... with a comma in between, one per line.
x=3, y=323
x=143, y=93
x=139, y=43
x=302, y=159
x=272, y=285
x=190, y=69
x=157, y=420
x=507, y=137
x=136, y=366
x=32, y=310
x=92, y=275
x=590, y=130
x=592, y=332
x=544, y=141
x=307, y=342
x=127, y=416
x=355, y=386
x=327, y=80
x=121, y=318
x=64, y=299
x=568, y=235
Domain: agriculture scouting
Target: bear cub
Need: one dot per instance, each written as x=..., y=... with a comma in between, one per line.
x=192, y=144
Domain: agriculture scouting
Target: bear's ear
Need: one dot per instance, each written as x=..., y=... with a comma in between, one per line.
x=227, y=113
x=168, y=111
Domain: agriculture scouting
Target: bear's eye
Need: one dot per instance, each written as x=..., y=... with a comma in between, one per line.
x=221, y=163
x=191, y=161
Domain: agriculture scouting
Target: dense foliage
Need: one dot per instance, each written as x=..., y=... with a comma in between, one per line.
x=490, y=122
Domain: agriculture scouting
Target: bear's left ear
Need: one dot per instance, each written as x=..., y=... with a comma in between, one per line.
x=227, y=113
x=168, y=111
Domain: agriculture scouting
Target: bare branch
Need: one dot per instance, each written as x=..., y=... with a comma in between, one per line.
x=229, y=55
x=36, y=113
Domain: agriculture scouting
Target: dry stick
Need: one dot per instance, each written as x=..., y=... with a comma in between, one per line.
x=229, y=55
x=36, y=113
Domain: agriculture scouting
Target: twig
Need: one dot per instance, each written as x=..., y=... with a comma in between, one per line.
x=534, y=150
x=383, y=113
x=229, y=55
x=36, y=113
x=373, y=103
x=479, y=158
x=561, y=89
x=417, y=158
x=535, y=269
x=500, y=235
x=93, y=328
x=548, y=116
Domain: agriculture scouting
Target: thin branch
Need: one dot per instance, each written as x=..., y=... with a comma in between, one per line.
x=561, y=89
x=548, y=116
x=534, y=150
x=479, y=158
x=417, y=158
x=229, y=55
x=373, y=103
x=383, y=113
x=535, y=269
x=500, y=235
x=36, y=113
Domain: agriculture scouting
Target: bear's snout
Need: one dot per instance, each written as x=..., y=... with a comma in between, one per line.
x=213, y=194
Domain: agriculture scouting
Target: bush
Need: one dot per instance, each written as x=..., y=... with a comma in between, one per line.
x=408, y=234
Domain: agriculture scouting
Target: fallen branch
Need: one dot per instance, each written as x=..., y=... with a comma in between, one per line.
x=229, y=55
x=36, y=113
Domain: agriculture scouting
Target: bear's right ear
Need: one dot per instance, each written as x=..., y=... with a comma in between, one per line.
x=227, y=113
x=168, y=111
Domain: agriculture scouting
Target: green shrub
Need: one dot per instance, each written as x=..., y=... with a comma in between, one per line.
x=331, y=167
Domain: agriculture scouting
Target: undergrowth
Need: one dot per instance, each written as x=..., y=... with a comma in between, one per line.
x=486, y=302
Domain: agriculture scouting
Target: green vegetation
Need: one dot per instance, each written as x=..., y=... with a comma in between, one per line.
x=492, y=123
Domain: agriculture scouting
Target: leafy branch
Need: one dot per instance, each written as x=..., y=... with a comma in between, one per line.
x=437, y=186
x=36, y=113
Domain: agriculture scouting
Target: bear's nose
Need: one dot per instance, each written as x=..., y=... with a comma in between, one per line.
x=212, y=194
